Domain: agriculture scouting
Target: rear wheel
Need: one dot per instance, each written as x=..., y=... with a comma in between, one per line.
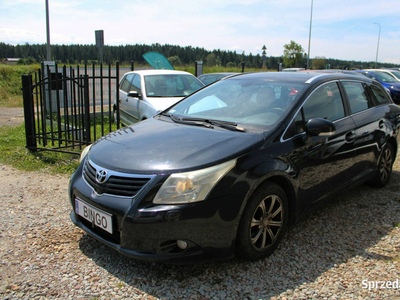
x=385, y=167
x=263, y=223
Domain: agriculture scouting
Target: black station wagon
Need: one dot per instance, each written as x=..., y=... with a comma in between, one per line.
x=224, y=171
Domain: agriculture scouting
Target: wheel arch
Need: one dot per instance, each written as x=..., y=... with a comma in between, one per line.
x=289, y=190
x=394, y=143
x=288, y=187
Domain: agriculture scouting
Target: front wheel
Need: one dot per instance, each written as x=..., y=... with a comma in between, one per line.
x=263, y=223
x=385, y=167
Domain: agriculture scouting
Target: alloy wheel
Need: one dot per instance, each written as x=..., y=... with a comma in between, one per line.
x=386, y=164
x=267, y=222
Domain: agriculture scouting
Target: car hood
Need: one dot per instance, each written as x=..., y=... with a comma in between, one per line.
x=162, y=103
x=155, y=147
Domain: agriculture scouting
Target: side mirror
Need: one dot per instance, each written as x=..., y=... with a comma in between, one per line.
x=134, y=94
x=320, y=127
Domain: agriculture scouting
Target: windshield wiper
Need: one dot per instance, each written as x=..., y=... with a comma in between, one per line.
x=194, y=122
x=205, y=122
x=223, y=124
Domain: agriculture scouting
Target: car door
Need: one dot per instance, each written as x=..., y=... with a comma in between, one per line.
x=322, y=165
x=372, y=127
x=124, y=88
x=135, y=102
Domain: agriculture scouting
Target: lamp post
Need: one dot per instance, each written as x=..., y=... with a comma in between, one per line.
x=48, y=31
x=377, y=47
x=309, y=37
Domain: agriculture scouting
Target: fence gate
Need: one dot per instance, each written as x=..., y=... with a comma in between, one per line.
x=68, y=108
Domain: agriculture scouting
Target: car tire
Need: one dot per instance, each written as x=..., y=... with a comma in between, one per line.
x=263, y=223
x=385, y=166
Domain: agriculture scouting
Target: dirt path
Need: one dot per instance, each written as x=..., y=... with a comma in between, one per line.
x=11, y=116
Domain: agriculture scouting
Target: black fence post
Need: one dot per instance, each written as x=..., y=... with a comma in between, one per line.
x=29, y=113
x=116, y=108
x=87, y=108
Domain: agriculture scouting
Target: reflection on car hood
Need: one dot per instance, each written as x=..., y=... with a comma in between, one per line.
x=162, y=103
x=154, y=146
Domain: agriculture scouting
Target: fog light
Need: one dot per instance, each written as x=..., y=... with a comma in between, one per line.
x=181, y=244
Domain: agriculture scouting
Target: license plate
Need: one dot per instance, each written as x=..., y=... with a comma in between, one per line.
x=94, y=215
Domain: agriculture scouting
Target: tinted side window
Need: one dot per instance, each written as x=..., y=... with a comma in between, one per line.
x=325, y=102
x=368, y=75
x=357, y=96
x=380, y=95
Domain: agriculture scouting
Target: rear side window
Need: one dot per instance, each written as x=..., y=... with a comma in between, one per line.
x=357, y=96
x=380, y=95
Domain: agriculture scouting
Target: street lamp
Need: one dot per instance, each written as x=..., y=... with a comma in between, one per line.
x=48, y=31
x=377, y=47
x=309, y=37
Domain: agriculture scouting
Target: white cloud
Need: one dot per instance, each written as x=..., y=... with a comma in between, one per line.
x=341, y=28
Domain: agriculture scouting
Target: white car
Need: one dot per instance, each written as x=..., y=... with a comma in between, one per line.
x=143, y=93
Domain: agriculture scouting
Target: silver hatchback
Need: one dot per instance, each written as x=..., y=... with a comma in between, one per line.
x=143, y=93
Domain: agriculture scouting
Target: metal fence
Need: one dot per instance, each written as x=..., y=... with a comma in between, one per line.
x=67, y=108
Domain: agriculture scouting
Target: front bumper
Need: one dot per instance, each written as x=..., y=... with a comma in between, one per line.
x=155, y=232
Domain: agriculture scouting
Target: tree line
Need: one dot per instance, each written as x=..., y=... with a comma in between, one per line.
x=293, y=56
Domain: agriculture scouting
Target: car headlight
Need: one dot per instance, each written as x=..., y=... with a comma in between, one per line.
x=84, y=152
x=191, y=186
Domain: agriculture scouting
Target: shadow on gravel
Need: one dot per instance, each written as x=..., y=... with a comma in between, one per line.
x=343, y=229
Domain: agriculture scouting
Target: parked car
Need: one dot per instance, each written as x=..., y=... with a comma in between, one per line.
x=292, y=69
x=143, y=93
x=387, y=80
x=394, y=73
x=224, y=171
x=213, y=77
x=333, y=71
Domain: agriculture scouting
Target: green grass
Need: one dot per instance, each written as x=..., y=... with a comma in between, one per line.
x=11, y=83
x=14, y=153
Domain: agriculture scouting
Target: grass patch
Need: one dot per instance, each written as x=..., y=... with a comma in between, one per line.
x=11, y=83
x=14, y=153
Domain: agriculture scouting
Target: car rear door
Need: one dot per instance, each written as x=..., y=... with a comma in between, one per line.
x=370, y=117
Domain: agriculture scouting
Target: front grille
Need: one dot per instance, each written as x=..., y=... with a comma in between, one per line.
x=116, y=183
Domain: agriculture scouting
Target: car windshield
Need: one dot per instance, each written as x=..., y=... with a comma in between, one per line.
x=384, y=77
x=254, y=104
x=180, y=85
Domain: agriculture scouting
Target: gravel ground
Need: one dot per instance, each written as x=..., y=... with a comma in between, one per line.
x=338, y=252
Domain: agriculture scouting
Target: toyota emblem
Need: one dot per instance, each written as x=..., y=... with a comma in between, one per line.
x=101, y=176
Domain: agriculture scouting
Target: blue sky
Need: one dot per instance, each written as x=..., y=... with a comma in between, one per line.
x=341, y=29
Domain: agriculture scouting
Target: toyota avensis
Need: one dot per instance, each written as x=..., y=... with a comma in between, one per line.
x=224, y=171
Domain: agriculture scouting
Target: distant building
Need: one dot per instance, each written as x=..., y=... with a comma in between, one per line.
x=12, y=61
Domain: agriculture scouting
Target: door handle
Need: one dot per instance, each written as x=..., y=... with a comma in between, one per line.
x=350, y=136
